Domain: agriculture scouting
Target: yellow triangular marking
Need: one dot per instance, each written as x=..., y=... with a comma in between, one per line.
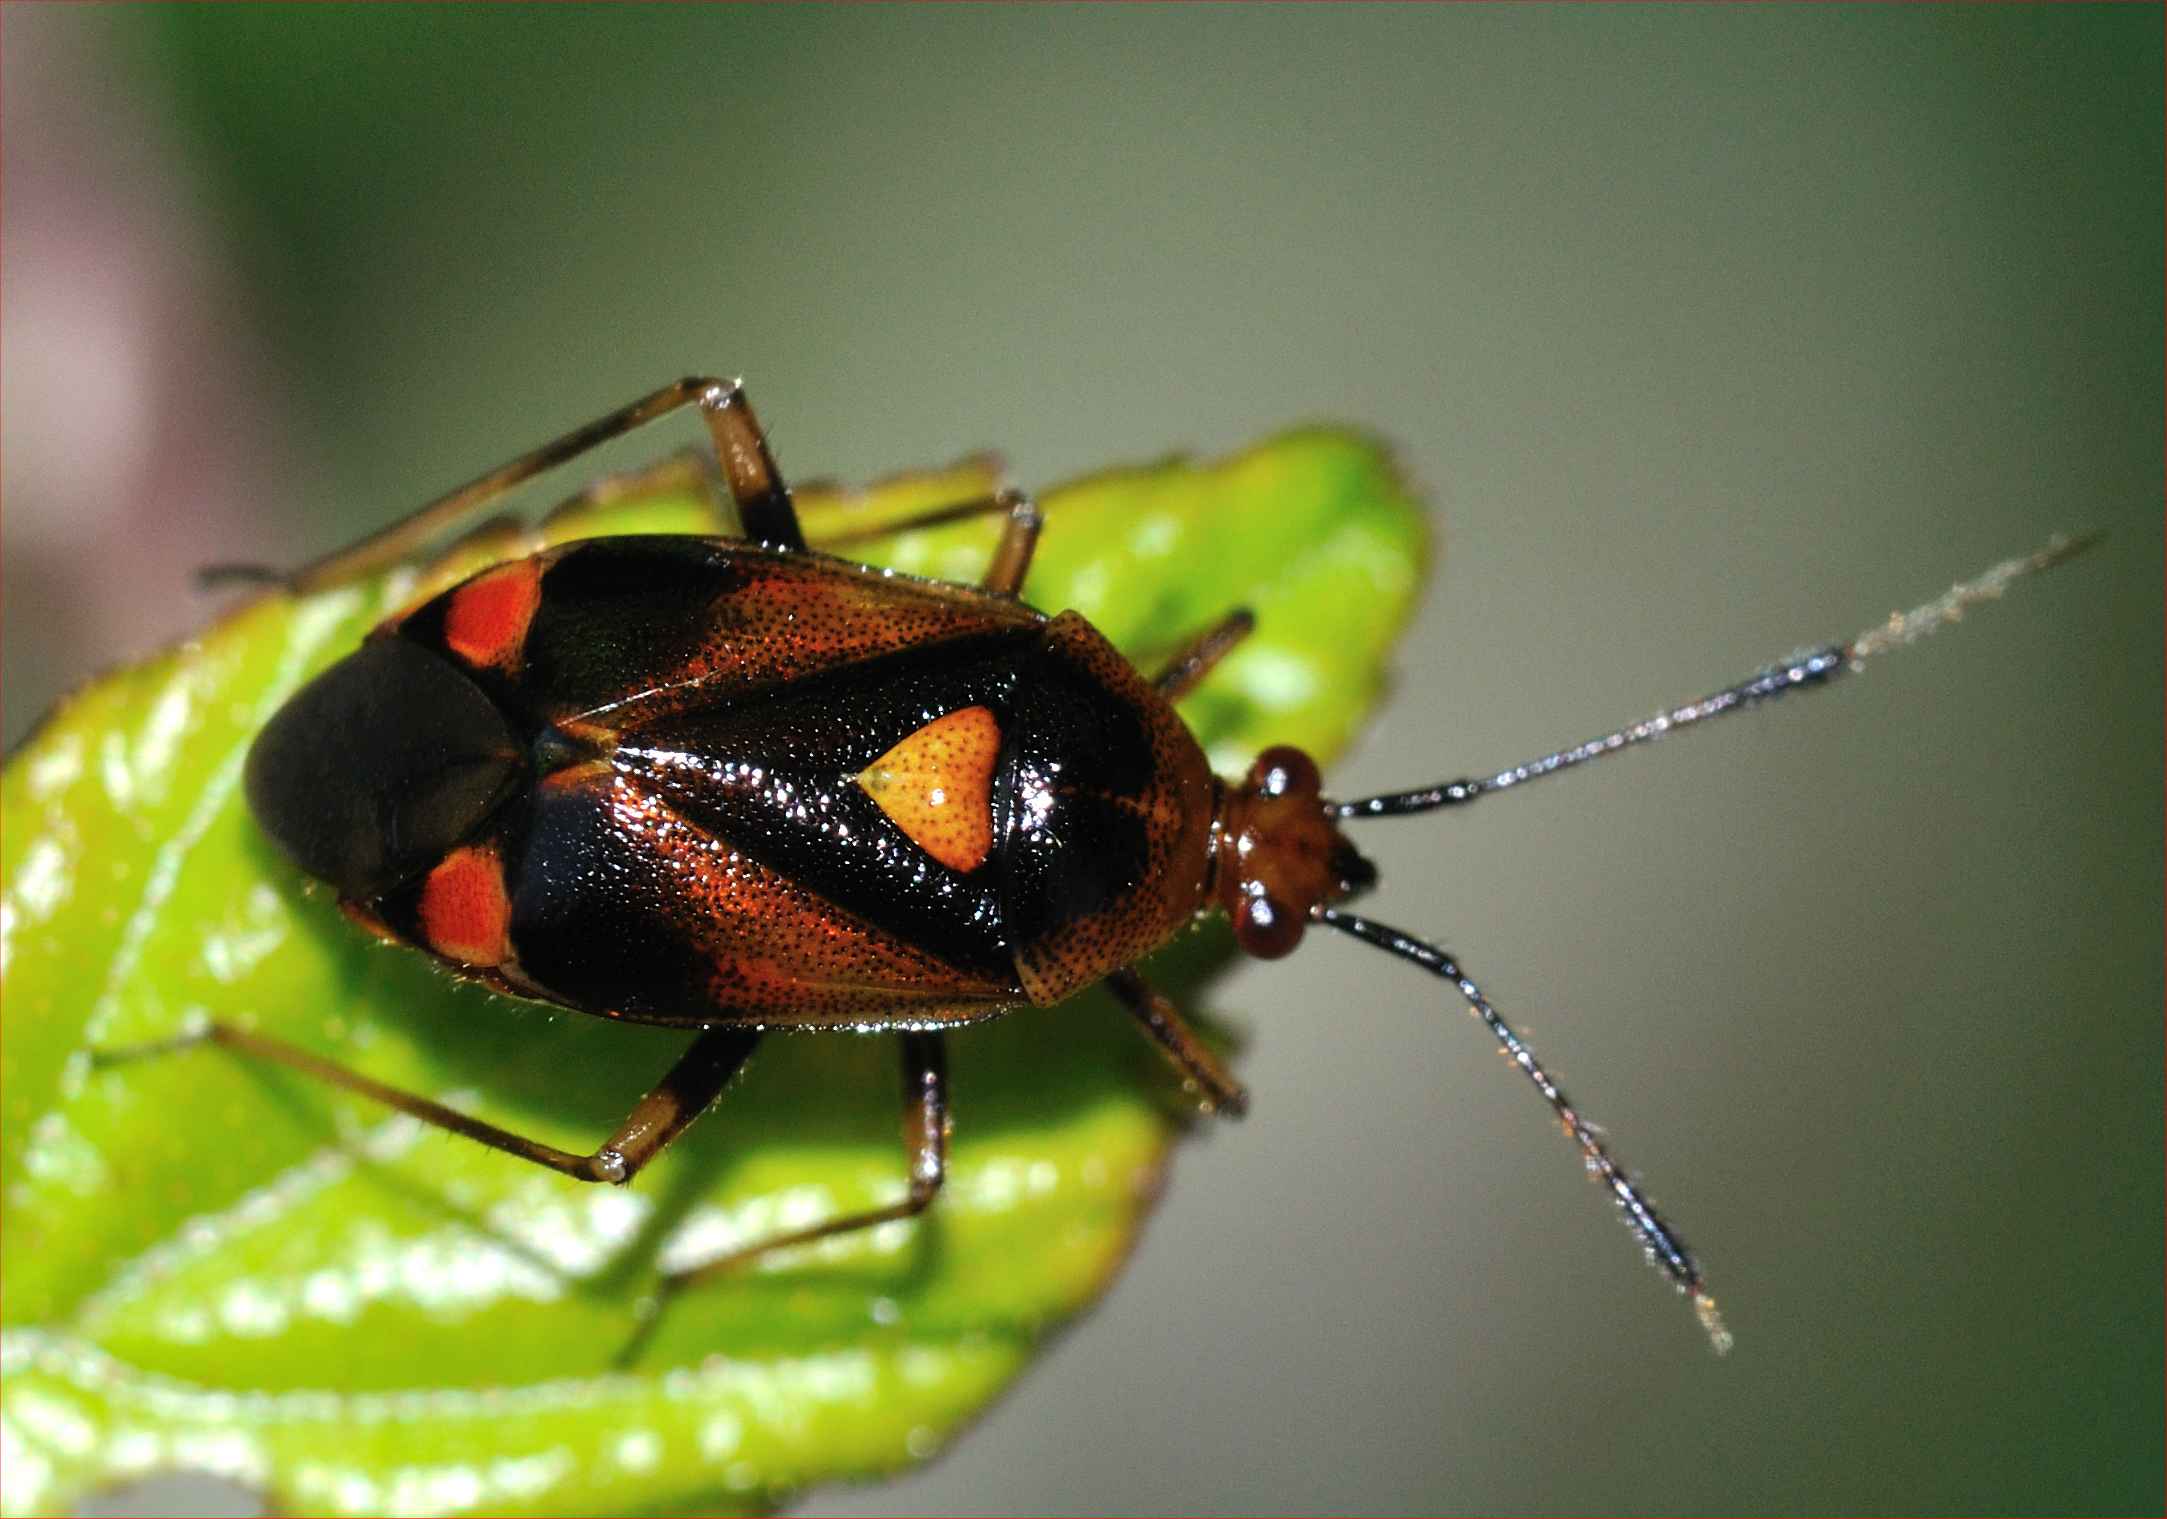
x=937, y=786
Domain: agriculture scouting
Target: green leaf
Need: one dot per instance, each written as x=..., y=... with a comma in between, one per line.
x=217, y=1266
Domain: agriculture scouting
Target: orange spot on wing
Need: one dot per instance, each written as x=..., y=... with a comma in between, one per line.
x=465, y=912
x=486, y=622
x=937, y=786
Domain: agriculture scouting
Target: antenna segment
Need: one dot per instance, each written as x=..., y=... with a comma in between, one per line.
x=1813, y=667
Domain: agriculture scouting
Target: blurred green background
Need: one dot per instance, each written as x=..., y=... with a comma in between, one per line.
x=1709, y=331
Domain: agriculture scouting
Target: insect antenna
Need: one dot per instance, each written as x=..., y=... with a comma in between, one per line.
x=1810, y=668
x=1801, y=671
x=1658, y=1239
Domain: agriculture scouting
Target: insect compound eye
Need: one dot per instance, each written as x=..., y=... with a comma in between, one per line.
x=1265, y=928
x=1284, y=771
x=379, y=766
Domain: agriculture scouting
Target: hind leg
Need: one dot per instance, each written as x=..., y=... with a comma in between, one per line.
x=763, y=500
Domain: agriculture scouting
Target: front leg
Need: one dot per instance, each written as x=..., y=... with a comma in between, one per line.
x=1214, y=1086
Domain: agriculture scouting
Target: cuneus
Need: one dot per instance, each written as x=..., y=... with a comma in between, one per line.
x=735, y=786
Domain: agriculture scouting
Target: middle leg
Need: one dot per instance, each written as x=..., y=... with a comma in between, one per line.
x=1011, y=556
x=1019, y=540
x=925, y=1139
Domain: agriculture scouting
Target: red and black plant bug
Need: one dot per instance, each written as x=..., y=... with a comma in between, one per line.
x=734, y=786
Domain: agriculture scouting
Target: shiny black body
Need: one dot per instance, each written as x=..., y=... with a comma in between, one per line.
x=663, y=765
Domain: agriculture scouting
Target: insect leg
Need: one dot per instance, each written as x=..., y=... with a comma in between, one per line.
x=687, y=1090
x=763, y=500
x=681, y=1096
x=217, y=577
x=1201, y=654
x=939, y=516
x=925, y=1137
x=1019, y=537
x=1216, y=1090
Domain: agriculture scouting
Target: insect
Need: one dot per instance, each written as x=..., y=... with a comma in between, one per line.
x=733, y=786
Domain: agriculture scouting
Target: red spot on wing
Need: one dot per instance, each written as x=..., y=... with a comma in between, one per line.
x=465, y=911
x=486, y=622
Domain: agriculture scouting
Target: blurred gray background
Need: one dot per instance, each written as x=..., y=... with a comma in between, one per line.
x=1709, y=331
